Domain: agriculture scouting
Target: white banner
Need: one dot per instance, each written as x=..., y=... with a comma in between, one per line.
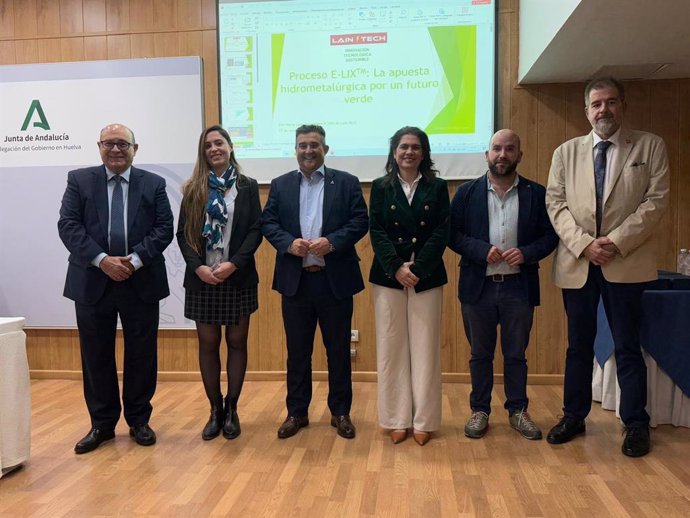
x=51, y=118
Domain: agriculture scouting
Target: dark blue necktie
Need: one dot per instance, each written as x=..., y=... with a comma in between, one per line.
x=599, y=176
x=118, y=246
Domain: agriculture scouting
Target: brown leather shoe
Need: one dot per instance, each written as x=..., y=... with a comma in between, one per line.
x=421, y=438
x=291, y=426
x=398, y=436
x=344, y=425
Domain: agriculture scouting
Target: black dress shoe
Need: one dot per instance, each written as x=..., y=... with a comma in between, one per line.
x=143, y=434
x=93, y=440
x=344, y=425
x=215, y=421
x=636, y=442
x=291, y=426
x=565, y=430
x=231, y=424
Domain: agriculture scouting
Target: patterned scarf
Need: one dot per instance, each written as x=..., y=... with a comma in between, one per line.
x=216, y=210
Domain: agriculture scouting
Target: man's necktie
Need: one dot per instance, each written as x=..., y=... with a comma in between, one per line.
x=599, y=176
x=118, y=246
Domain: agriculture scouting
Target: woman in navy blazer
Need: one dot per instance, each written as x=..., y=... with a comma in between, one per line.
x=219, y=231
x=409, y=229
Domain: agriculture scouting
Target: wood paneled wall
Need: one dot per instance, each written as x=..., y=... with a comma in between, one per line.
x=38, y=31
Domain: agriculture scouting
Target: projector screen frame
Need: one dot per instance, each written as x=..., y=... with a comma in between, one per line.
x=352, y=164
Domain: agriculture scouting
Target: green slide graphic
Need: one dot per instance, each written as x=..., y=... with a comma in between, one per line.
x=457, y=52
x=277, y=44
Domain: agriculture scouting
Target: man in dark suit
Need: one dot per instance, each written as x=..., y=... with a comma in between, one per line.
x=500, y=227
x=313, y=218
x=116, y=221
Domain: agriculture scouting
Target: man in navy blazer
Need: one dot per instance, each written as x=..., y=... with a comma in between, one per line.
x=500, y=227
x=116, y=221
x=313, y=218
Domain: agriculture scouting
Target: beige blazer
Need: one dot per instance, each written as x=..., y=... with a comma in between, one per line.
x=634, y=203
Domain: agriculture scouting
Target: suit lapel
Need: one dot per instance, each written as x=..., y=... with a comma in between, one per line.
x=100, y=190
x=133, y=196
x=242, y=191
x=329, y=191
x=291, y=196
x=586, y=168
x=524, y=209
x=482, y=203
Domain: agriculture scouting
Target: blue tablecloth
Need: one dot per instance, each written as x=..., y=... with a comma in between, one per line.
x=667, y=281
x=665, y=332
x=670, y=281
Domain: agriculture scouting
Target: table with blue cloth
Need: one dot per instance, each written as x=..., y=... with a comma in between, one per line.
x=665, y=339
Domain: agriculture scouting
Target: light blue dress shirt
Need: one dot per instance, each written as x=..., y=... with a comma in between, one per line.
x=311, y=211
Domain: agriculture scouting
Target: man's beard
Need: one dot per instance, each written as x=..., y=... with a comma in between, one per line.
x=509, y=169
x=606, y=126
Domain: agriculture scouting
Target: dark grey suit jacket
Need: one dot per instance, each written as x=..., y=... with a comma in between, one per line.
x=83, y=228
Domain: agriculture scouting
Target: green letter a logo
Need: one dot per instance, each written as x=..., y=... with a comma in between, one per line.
x=36, y=107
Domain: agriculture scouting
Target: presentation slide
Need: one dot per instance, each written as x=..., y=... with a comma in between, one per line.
x=361, y=69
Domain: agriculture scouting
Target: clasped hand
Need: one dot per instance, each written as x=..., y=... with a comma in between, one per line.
x=601, y=251
x=118, y=268
x=216, y=274
x=405, y=276
x=512, y=256
x=302, y=247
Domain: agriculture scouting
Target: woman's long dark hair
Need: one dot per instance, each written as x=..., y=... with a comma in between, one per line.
x=426, y=166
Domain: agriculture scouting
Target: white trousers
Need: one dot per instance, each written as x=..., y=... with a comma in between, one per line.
x=408, y=357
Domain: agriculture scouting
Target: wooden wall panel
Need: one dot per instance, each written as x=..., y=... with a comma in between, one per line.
x=6, y=18
x=48, y=17
x=682, y=185
x=72, y=49
x=165, y=14
x=95, y=48
x=71, y=14
x=34, y=31
x=8, y=53
x=94, y=16
x=142, y=45
x=27, y=51
x=25, y=19
x=117, y=15
x=665, y=124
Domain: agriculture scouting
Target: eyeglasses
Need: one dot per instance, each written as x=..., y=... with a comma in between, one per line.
x=122, y=145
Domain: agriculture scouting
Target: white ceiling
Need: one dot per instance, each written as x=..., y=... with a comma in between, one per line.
x=629, y=39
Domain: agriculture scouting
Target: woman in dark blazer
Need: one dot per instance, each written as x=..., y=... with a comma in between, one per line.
x=218, y=232
x=409, y=228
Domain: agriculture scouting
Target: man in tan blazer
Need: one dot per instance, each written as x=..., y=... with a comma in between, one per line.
x=606, y=194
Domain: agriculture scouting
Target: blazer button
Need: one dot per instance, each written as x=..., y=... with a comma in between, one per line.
x=426, y=207
x=400, y=240
x=392, y=207
x=421, y=223
x=414, y=239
